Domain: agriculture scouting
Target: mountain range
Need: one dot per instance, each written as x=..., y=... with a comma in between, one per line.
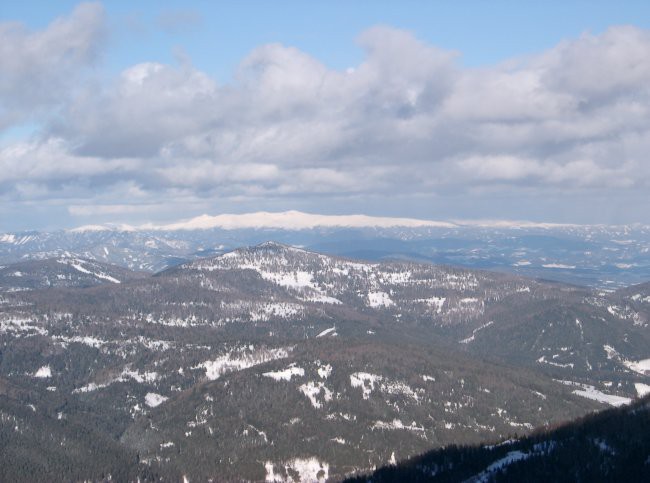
x=220, y=365
x=602, y=256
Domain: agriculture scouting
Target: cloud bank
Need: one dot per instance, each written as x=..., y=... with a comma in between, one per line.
x=552, y=135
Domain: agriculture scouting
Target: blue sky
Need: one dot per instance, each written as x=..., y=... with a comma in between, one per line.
x=216, y=35
x=483, y=110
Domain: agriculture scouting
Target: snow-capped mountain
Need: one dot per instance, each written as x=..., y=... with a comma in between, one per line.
x=596, y=255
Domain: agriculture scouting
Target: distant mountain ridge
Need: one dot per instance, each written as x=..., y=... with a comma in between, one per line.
x=608, y=257
x=297, y=220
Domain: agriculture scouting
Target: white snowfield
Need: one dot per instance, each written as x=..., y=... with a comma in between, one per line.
x=295, y=279
x=293, y=220
x=590, y=392
x=310, y=470
x=642, y=367
x=324, y=371
x=641, y=389
x=237, y=360
x=153, y=400
x=43, y=373
x=297, y=220
x=285, y=374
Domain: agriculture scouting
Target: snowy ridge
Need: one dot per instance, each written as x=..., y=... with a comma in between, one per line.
x=286, y=220
x=321, y=279
x=298, y=220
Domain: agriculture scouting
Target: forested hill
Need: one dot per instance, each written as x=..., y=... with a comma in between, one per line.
x=612, y=445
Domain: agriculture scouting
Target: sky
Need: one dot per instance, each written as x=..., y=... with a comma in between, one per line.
x=135, y=112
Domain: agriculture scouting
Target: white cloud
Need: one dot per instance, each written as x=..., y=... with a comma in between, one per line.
x=577, y=173
x=40, y=68
x=408, y=122
x=594, y=66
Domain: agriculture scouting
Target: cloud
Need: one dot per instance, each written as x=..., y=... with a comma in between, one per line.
x=408, y=123
x=576, y=173
x=40, y=68
x=595, y=67
x=146, y=108
x=111, y=210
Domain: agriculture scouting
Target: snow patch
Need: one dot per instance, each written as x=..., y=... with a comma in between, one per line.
x=369, y=382
x=152, y=399
x=590, y=392
x=365, y=381
x=397, y=424
x=238, y=360
x=43, y=373
x=324, y=371
x=313, y=389
x=286, y=374
x=127, y=374
x=326, y=332
x=475, y=331
x=309, y=470
x=379, y=299
x=641, y=389
x=642, y=367
x=321, y=299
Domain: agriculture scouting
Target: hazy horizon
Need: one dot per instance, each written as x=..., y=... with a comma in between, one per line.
x=294, y=220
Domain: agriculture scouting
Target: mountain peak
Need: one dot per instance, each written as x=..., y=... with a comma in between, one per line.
x=269, y=248
x=272, y=244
